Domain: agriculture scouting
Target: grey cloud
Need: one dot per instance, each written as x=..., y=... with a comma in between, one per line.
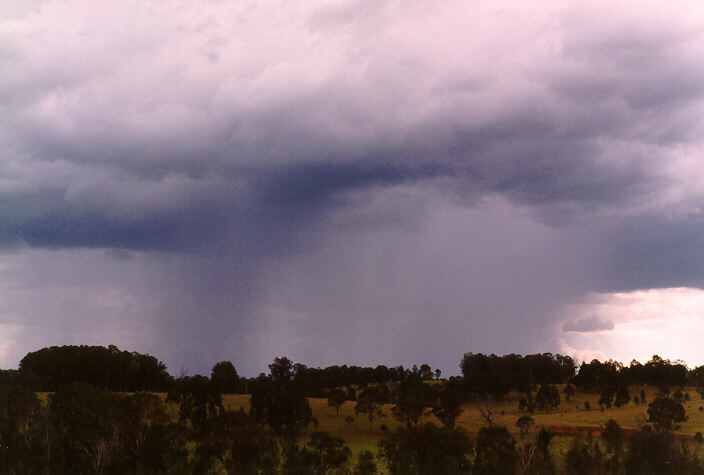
x=652, y=252
x=540, y=150
x=593, y=323
x=248, y=150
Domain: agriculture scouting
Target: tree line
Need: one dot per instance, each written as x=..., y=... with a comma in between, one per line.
x=104, y=417
x=112, y=369
x=658, y=372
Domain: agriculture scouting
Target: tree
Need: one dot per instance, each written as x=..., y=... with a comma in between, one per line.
x=487, y=414
x=85, y=427
x=370, y=403
x=583, y=457
x=277, y=401
x=665, y=413
x=622, y=396
x=105, y=368
x=147, y=442
x=233, y=441
x=607, y=395
x=613, y=436
x=365, y=464
x=527, y=402
x=425, y=372
x=22, y=445
x=495, y=450
x=198, y=400
x=495, y=375
x=330, y=453
x=543, y=462
x=224, y=377
x=336, y=398
x=524, y=424
x=534, y=455
x=449, y=401
x=547, y=397
x=649, y=452
x=569, y=391
x=426, y=449
x=412, y=399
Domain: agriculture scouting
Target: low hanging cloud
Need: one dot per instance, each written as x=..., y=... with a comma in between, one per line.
x=592, y=323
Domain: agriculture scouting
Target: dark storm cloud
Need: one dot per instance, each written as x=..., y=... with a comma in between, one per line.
x=551, y=149
x=315, y=185
x=241, y=139
x=593, y=323
x=652, y=252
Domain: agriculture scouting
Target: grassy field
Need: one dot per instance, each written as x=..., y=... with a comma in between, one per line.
x=568, y=420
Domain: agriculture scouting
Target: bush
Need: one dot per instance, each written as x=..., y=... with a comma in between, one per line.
x=495, y=450
x=427, y=449
x=664, y=413
x=365, y=464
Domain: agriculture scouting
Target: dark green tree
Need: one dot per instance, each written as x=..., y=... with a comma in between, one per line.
x=336, y=398
x=105, y=368
x=665, y=413
x=524, y=424
x=614, y=438
x=279, y=403
x=534, y=455
x=622, y=396
x=606, y=397
x=649, y=452
x=527, y=402
x=233, y=441
x=583, y=457
x=449, y=400
x=85, y=427
x=198, y=400
x=426, y=449
x=224, y=377
x=148, y=441
x=330, y=454
x=542, y=462
x=370, y=402
x=495, y=451
x=365, y=464
x=413, y=397
x=22, y=431
x=547, y=397
x=569, y=391
x=425, y=372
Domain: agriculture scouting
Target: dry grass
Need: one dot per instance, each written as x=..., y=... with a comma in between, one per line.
x=568, y=419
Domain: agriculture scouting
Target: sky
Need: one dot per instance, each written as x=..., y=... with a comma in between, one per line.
x=352, y=181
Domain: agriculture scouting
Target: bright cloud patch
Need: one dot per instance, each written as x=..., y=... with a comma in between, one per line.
x=667, y=322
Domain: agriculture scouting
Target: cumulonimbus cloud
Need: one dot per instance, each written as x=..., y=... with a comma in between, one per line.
x=254, y=135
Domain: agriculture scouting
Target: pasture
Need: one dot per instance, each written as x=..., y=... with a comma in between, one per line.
x=569, y=420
